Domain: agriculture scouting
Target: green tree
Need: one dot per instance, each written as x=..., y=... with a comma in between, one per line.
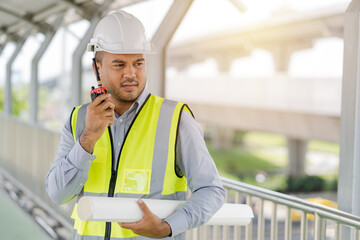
x=19, y=100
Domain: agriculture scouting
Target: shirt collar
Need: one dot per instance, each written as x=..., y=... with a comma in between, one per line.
x=141, y=99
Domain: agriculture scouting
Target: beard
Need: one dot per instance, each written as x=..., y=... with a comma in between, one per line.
x=122, y=95
x=129, y=80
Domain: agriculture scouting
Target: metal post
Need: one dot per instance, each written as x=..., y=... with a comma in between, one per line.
x=303, y=226
x=237, y=229
x=317, y=224
x=225, y=229
x=274, y=223
x=349, y=170
x=34, y=89
x=356, y=234
x=195, y=233
x=8, y=83
x=163, y=35
x=337, y=231
x=203, y=232
x=261, y=221
x=215, y=232
x=320, y=227
x=288, y=224
x=248, y=229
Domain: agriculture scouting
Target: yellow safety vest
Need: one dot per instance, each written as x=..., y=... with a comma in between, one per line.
x=146, y=163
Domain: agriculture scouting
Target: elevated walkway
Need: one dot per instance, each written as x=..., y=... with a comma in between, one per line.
x=298, y=108
x=27, y=152
x=281, y=35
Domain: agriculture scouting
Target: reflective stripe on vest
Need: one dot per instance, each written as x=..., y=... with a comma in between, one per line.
x=146, y=162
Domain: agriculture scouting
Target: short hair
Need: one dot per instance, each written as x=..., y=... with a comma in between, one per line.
x=99, y=56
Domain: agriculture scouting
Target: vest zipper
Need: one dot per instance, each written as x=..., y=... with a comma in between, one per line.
x=114, y=172
x=111, y=185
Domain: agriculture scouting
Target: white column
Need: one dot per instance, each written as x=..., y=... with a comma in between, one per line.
x=8, y=83
x=77, y=63
x=349, y=170
x=34, y=89
x=161, y=39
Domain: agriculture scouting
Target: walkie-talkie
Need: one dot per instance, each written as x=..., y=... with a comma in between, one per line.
x=100, y=89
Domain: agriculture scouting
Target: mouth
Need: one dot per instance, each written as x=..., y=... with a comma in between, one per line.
x=129, y=86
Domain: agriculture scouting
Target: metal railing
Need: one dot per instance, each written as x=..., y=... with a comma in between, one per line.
x=276, y=218
x=27, y=152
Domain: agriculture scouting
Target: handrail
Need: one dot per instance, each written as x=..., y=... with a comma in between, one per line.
x=294, y=202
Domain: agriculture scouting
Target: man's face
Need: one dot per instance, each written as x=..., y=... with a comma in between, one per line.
x=123, y=75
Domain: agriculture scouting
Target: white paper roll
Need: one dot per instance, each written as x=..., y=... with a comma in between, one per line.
x=106, y=209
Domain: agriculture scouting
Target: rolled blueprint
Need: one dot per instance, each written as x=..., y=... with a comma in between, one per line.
x=106, y=209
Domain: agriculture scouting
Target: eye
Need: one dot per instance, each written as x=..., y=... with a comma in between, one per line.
x=139, y=64
x=120, y=65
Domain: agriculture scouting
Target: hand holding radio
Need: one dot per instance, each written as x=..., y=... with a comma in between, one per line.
x=95, y=92
x=100, y=114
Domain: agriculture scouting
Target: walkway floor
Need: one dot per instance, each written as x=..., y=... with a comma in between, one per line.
x=16, y=224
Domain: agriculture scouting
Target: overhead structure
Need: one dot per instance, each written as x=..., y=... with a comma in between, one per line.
x=20, y=19
x=282, y=35
x=17, y=15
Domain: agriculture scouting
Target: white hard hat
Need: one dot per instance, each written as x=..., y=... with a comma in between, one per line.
x=121, y=33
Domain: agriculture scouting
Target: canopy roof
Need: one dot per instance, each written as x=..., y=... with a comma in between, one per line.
x=18, y=18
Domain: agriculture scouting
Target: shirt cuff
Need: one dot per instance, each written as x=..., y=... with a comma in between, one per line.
x=178, y=223
x=80, y=158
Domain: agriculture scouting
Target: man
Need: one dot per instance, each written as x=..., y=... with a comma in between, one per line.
x=129, y=143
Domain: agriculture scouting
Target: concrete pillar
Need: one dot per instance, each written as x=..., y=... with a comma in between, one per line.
x=161, y=39
x=296, y=148
x=224, y=63
x=281, y=55
x=349, y=167
x=34, y=82
x=297, y=152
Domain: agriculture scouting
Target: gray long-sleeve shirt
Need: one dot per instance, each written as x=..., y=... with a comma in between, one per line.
x=69, y=172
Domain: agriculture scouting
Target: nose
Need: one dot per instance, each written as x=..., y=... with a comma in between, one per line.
x=129, y=71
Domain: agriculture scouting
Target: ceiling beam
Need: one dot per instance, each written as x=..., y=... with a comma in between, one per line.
x=85, y=12
x=27, y=18
x=24, y=18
